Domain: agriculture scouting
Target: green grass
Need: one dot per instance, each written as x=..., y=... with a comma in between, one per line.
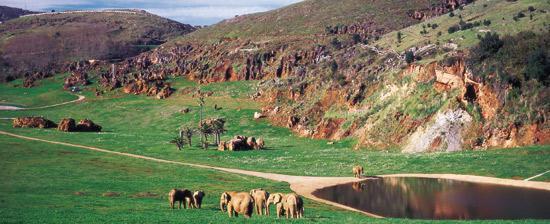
x=49, y=92
x=143, y=125
x=499, y=12
x=42, y=182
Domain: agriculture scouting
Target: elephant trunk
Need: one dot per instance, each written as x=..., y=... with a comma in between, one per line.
x=222, y=206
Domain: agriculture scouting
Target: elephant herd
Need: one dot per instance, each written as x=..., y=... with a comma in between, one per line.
x=234, y=203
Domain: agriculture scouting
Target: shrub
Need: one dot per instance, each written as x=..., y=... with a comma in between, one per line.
x=453, y=29
x=486, y=22
x=488, y=45
x=356, y=38
x=452, y=14
x=409, y=57
x=399, y=36
x=336, y=43
x=434, y=26
x=531, y=9
x=538, y=67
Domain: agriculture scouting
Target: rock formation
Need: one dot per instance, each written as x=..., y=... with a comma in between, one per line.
x=33, y=122
x=67, y=125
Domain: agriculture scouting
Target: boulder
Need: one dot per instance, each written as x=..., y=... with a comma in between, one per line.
x=258, y=115
x=67, y=125
x=260, y=144
x=251, y=143
x=33, y=122
x=222, y=146
x=165, y=92
x=236, y=145
x=87, y=126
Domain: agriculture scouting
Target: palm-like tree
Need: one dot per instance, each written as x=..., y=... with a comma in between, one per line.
x=205, y=130
x=187, y=133
x=218, y=128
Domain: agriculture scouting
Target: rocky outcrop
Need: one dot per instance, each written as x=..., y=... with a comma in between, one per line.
x=67, y=125
x=87, y=126
x=76, y=79
x=33, y=122
x=444, y=134
x=240, y=143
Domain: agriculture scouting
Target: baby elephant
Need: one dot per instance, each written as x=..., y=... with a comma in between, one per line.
x=237, y=202
x=260, y=198
x=358, y=171
x=197, y=197
x=291, y=205
x=181, y=196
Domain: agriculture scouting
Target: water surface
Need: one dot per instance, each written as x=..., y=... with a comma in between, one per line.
x=429, y=198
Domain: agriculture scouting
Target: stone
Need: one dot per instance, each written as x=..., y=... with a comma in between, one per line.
x=67, y=125
x=33, y=122
x=88, y=126
x=258, y=115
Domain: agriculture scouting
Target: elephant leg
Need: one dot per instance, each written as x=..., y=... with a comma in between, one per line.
x=179, y=204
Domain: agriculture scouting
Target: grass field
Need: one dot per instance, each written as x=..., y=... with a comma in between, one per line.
x=142, y=125
x=49, y=93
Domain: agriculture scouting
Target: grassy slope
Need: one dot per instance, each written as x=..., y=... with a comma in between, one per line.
x=147, y=125
x=50, y=92
x=312, y=17
x=499, y=12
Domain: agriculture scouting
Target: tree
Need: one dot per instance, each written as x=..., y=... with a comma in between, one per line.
x=205, y=130
x=409, y=57
x=399, y=36
x=187, y=133
x=178, y=141
x=538, y=66
x=201, y=102
x=217, y=126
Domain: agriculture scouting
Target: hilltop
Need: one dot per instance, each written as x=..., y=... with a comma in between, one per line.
x=7, y=13
x=44, y=43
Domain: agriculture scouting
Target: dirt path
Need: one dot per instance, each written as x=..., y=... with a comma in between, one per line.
x=304, y=185
x=80, y=98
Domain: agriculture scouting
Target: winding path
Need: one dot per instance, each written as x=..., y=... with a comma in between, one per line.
x=80, y=98
x=304, y=185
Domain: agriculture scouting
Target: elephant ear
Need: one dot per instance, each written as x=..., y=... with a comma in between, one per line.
x=226, y=196
x=277, y=198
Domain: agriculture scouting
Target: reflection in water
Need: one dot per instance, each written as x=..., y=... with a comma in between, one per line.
x=426, y=198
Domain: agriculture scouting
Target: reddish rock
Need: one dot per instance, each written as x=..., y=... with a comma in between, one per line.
x=67, y=125
x=33, y=122
x=76, y=79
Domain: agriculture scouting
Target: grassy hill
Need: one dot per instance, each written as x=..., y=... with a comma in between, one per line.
x=46, y=42
x=7, y=13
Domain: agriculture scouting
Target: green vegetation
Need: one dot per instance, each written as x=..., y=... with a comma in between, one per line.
x=155, y=122
x=50, y=92
x=48, y=183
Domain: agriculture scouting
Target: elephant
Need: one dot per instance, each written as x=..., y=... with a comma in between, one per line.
x=293, y=206
x=181, y=196
x=358, y=171
x=197, y=198
x=237, y=202
x=277, y=200
x=260, y=198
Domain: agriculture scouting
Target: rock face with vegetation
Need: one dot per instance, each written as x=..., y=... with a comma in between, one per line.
x=45, y=43
x=7, y=13
x=389, y=74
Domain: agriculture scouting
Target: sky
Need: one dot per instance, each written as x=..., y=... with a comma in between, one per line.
x=194, y=12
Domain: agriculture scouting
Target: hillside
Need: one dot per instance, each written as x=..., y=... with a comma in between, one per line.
x=46, y=42
x=349, y=78
x=7, y=13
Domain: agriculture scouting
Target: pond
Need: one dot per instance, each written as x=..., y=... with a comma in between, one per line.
x=430, y=198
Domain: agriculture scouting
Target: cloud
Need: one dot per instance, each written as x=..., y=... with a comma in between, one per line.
x=196, y=12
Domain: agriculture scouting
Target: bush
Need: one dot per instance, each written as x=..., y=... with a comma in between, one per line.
x=453, y=29
x=531, y=9
x=488, y=45
x=538, y=67
x=356, y=38
x=399, y=36
x=409, y=57
x=486, y=22
x=336, y=43
x=452, y=14
x=434, y=26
